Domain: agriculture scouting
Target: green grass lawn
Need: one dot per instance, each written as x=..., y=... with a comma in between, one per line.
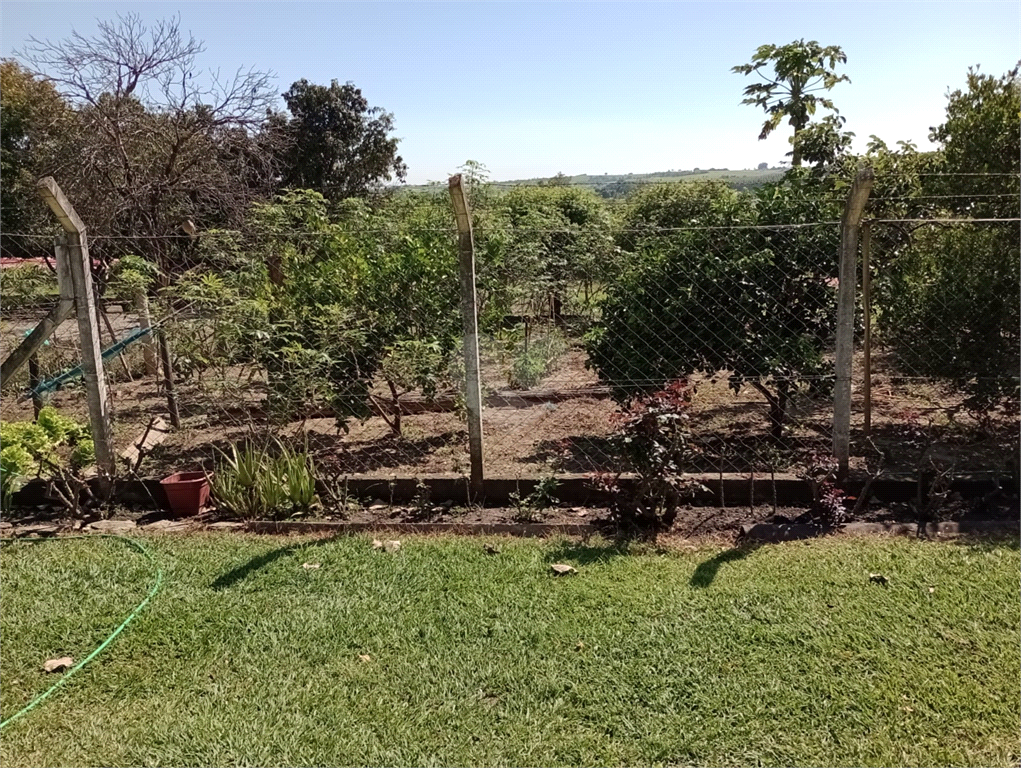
x=781, y=655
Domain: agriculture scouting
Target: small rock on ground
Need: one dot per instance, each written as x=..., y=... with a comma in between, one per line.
x=111, y=526
x=40, y=529
x=225, y=525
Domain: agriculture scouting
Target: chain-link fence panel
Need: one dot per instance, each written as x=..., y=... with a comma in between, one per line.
x=342, y=336
x=945, y=346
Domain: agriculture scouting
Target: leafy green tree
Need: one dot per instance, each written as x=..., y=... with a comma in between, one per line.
x=981, y=141
x=34, y=121
x=335, y=143
x=950, y=294
x=705, y=292
x=800, y=70
x=821, y=143
x=332, y=303
x=559, y=237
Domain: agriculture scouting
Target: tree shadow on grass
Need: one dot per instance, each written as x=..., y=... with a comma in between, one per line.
x=705, y=573
x=242, y=572
x=584, y=554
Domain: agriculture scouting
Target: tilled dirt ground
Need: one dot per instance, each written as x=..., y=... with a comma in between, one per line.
x=568, y=433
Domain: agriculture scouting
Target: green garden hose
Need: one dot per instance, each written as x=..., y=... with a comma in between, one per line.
x=152, y=592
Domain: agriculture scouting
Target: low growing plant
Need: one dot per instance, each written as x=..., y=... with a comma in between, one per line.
x=829, y=501
x=40, y=448
x=536, y=359
x=529, y=507
x=254, y=483
x=652, y=439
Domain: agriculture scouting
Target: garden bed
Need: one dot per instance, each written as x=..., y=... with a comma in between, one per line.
x=563, y=424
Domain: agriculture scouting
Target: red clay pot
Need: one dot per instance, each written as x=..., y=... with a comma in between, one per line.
x=187, y=492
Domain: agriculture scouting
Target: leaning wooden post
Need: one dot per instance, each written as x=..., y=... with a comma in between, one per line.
x=65, y=307
x=469, y=318
x=866, y=308
x=849, y=223
x=88, y=323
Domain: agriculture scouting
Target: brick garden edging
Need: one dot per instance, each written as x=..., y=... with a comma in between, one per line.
x=573, y=489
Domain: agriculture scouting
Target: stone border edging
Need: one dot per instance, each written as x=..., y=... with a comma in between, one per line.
x=340, y=527
x=572, y=489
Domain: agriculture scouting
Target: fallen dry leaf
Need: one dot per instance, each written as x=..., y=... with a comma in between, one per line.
x=310, y=566
x=580, y=646
x=560, y=569
x=392, y=546
x=377, y=544
x=59, y=665
x=365, y=657
x=931, y=590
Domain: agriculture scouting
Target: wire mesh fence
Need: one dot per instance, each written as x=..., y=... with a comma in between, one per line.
x=346, y=338
x=945, y=344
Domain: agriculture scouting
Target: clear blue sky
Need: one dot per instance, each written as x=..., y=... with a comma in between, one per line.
x=531, y=89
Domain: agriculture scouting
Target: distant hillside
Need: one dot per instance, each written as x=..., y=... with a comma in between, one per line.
x=617, y=185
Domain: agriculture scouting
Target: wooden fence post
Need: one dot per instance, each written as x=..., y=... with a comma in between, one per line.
x=866, y=306
x=849, y=223
x=469, y=318
x=88, y=323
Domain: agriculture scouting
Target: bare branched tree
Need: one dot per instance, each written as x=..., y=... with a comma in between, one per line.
x=160, y=142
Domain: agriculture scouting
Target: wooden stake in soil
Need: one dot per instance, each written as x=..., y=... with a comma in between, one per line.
x=469, y=318
x=849, y=223
x=168, y=380
x=33, y=382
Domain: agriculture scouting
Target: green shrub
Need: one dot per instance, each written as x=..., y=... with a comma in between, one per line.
x=15, y=464
x=60, y=428
x=83, y=454
x=254, y=483
x=27, y=285
x=652, y=439
x=28, y=448
x=536, y=360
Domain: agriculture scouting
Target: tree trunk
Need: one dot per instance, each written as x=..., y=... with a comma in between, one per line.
x=796, y=150
x=777, y=408
x=777, y=414
x=395, y=425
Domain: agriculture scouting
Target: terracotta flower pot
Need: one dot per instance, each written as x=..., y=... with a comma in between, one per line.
x=187, y=492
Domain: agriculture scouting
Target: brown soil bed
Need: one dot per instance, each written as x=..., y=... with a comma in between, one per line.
x=527, y=439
